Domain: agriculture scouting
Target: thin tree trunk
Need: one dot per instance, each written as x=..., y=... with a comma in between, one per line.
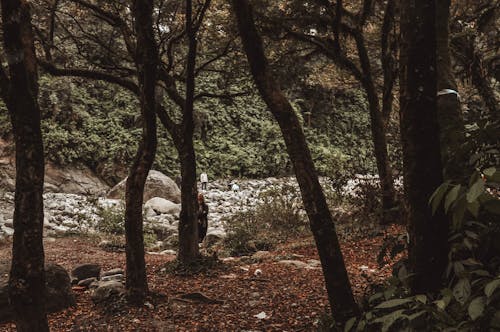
x=338, y=286
x=389, y=50
x=146, y=61
x=188, y=230
x=27, y=276
x=421, y=149
x=378, y=129
x=453, y=154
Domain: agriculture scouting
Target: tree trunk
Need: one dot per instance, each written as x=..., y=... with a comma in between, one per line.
x=421, y=149
x=27, y=276
x=146, y=61
x=338, y=286
x=188, y=230
x=453, y=154
x=378, y=129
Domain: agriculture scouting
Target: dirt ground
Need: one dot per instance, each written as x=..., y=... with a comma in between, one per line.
x=276, y=298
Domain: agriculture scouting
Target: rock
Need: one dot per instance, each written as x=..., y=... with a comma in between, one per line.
x=215, y=235
x=8, y=231
x=113, y=272
x=162, y=206
x=72, y=180
x=294, y=263
x=107, y=291
x=86, y=271
x=253, y=303
x=114, y=277
x=58, y=291
x=87, y=282
x=168, y=252
x=157, y=185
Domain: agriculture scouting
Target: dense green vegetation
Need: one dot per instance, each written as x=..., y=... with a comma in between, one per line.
x=97, y=125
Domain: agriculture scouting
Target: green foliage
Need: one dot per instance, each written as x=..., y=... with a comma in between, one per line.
x=112, y=220
x=471, y=297
x=272, y=221
x=463, y=202
x=98, y=125
x=112, y=223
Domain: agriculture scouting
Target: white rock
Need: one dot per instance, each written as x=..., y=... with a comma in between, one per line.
x=162, y=206
x=261, y=315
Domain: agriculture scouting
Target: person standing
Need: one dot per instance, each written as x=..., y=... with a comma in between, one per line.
x=204, y=181
x=202, y=217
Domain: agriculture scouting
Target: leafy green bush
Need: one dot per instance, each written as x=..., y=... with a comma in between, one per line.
x=470, y=300
x=113, y=223
x=273, y=221
x=112, y=220
x=246, y=234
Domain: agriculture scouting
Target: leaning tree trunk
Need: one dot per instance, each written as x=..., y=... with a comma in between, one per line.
x=20, y=91
x=421, y=149
x=147, y=59
x=338, y=286
x=378, y=129
x=453, y=154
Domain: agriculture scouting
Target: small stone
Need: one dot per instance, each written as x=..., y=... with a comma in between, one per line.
x=87, y=282
x=115, y=277
x=113, y=272
x=253, y=303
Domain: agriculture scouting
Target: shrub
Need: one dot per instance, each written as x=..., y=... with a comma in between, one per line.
x=112, y=219
x=113, y=223
x=272, y=221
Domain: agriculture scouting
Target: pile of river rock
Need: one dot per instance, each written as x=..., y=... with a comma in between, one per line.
x=76, y=213
x=81, y=212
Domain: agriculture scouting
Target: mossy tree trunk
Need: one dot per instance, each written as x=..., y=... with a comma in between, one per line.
x=338, y=286
x=19, y=88
x=146, y=63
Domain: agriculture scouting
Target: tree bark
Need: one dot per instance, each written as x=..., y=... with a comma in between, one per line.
x=338, y=286
x=20, y=92
x=378, y=129
x=188, y=230
x=452, y=134
x=421, y=149
x=146, y=62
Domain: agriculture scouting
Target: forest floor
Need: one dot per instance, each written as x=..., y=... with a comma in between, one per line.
x=277, y=298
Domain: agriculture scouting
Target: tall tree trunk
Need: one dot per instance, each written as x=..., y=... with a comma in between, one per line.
x=421, y=149
x=389, y=52
x=146, y=61
x=338, y=286
x=27, y=276
x=453, y=154
x=378, y=129
x=188, y=230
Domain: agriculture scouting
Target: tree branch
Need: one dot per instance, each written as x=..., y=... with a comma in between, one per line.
x=92, y=74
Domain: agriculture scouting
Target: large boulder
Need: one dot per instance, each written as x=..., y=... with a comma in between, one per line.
x=157, y=185
x=162, y=206
x=86, y=271
x=72, y=180
x=107, y=291
x=58, y=291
